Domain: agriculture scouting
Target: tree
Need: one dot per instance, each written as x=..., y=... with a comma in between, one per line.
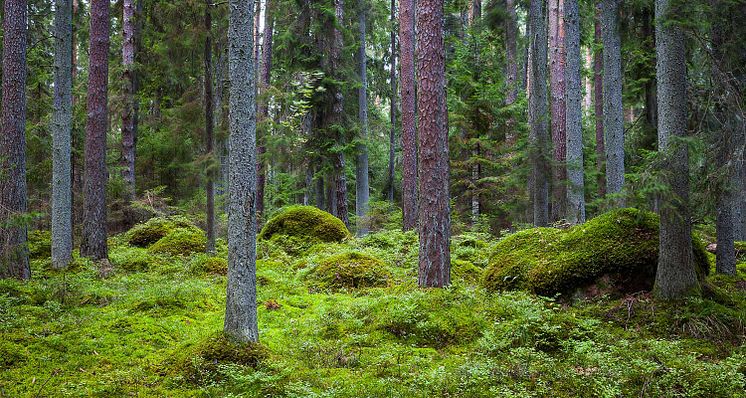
x=537, y=114
x=265, y=72
x=337, y=115
x=362, y=186
x=240, y=307
x=612, y=97
x=393, y=105
x=408, y=112
x=14, y=261
x=94, y=213
x=511, y=61
x=434, y=210
x=209, y=125
x=676, y=276
x=129, y=113
x=574, y=114
x=557, y=62
x=62, y=229
x=598, y=101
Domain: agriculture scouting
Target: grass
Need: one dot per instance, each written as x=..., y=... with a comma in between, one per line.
x=139, y=333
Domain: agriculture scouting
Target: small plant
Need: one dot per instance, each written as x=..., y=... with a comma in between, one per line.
x=350, y=270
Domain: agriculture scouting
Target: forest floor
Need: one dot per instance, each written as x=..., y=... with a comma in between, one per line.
x=142, y=332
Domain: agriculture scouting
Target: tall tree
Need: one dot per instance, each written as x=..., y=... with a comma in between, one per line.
x=62, y=229
x=537, y=113
x=129, y=113
x=434, y=210
x=574, y=114
x=209, y=125
x=14, y=261
x=598, y=100
x=362, y=185
x=240, y=311
x=94, y=213
x=392, y=111
x=676, y=276
x=612, y=97
x=557, y=62
x=511, y=64
x=265, y=70
x=408, y=112
x=337, y=114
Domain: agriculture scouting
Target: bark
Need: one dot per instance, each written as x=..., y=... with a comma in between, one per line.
x=651, y=106
x=362, y=186
x=598, y=88
x=475, y=11
x=95, y=174
x=62, y=233
x=612, y=101
x=511, y=61
x=240, y=311
x=129, y=111
x=538, y=115
x=14, y=261
x=574, y=114
x=676, y=276
x=434, y=211
x=337, y=114
x=408, y=113
x=209, y=138
x=265, y=74
x=557, y=61
x=392, y=113
x=588, y=94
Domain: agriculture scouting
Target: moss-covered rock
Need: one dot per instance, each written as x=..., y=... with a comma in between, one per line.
x=181, y=241
x=305, y=222
x=622, y=243
x=40, y=244
x=349, y=270
x=200, y=363
x=206, y=264
x=153, y=230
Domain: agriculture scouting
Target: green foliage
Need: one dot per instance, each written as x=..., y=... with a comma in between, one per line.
x=151, y=231
x=201, y=362
x=206, y=264
x=40, y=244
x=133, y=259
x=305, y=222
x=181, y=241
x=622, y=243
x=350, y=270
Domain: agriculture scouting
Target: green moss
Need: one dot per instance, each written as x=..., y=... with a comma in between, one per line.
x=181, y=241
x=40, y=244
x=622, y=243
x=132, y=259
x=151, y=231
x=305, y=222
x=350, y=270
x=206, y=264
x=202, y=361
x=466, y=271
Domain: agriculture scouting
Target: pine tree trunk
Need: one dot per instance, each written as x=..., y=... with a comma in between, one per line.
x=94, y=182
x=408, y=113
x=574, y=114
x=337, y=114
x=557, y=61
x=613, y=106
x=265, y=73
x=128, y=113
x=511, y=61
x=240, y=311
x=209, y=138
x=588, y=95
x=392, y=111
x=14, y=261
x=598, y=102
x=676, y=276
x=538, y=115
x=362, y=187
x=434, y=211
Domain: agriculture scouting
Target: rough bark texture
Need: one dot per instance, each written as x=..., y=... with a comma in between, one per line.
x=392, y=111
x=14, y=261
x=265, y=70
x=337, y=114
x=588, y=94
x=557, y=62
x=362, y=186
x=598, y=102
x=612, y=100
x=62, y=233
x=209, y=125
x=574, y=114
x=408, y=113
x=94, y=182
x=240, y=308
x=511, y=64
x=676, y=276
x=129, y=111
x=434, y=211
x=538, y=114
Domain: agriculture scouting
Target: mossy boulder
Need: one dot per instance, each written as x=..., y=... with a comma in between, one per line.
x=307, y=223
x=181, y=241
x=621, y=244
x=350, y=270
x=40, y=244
x=153, y=230
x=199, y=363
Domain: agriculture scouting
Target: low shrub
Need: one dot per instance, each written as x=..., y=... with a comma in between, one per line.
x=153, y=230
x=181, y=241
x=40, y=244
x=350, y=270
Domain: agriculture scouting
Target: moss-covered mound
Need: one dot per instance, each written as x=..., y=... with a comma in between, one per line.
x=181, y=241
x=622, y=244
x=350, y=270
x=305, y=222
x=151, y=231
x=201, y=362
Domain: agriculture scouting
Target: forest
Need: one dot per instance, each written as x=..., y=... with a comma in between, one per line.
x=373, y=198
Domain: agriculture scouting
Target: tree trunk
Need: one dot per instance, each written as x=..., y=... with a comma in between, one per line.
x=538, y=115
x=574, y=114
x=14, y=261
x=598, y=88
x=408, y=113
x=265, y=74
x=557, y=61
x=337, y=114
x=588, y=95
x=62, y=233
x=128, y=113
x=209, y=125
x=651, y=106
x=362, y=187
x=511, y=60
x=613, y=106
x=434, y=211
x=676, y=276
x=392, y=111
x=240, y=311
x=94, y=183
